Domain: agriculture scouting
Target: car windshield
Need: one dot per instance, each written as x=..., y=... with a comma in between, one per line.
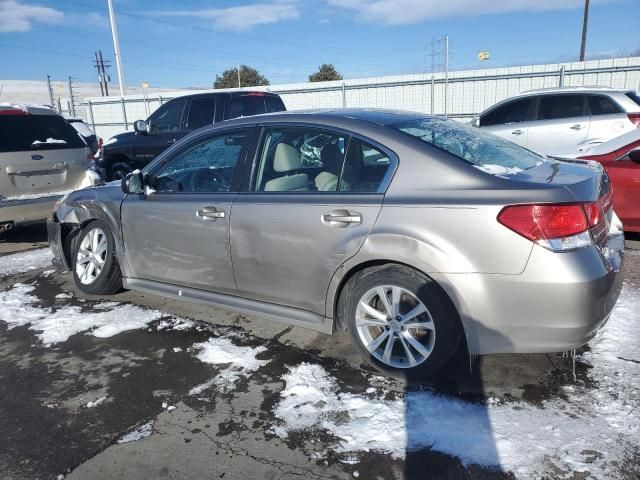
x=486, y=151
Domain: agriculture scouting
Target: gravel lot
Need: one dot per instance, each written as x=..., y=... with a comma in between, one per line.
x=137, y=386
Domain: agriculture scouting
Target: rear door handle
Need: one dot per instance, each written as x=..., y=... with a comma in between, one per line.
x=341, y=218
x=577, y=126
x=210, y=214
x=517, y=132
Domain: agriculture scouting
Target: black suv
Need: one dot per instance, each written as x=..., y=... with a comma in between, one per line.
x=127, y=151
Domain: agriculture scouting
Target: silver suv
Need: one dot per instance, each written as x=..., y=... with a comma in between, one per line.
x=415, y=233
x=42, y=157
x=563, y=121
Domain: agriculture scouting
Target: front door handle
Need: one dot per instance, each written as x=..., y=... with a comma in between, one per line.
x=341, y=218
x=210, y=214
x=577, y=126
x=517, y=132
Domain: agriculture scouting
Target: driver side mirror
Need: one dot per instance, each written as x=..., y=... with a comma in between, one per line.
x=140, y=126
x=133, y=183
x=475, y=122
x=634, y=155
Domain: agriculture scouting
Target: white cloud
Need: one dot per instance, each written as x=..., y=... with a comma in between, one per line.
x=18, y=17
x=242, y=17
x=396, y=12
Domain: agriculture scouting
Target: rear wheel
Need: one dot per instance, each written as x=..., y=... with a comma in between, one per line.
x=95, y=266
x=401, y=321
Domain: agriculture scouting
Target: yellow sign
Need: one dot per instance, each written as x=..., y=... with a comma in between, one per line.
x=483, y=55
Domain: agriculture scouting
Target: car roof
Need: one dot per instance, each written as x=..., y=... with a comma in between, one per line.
x=32, y=109
x=570, y=89
x=370, y=115
x=233, y=93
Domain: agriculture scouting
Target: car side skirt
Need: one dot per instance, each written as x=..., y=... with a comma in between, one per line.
x=278, y=313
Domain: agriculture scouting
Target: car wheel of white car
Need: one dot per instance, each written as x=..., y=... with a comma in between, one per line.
x=95, y=266
x=401, y=321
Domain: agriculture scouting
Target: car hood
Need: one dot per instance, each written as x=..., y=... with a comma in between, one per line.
x=124, y=137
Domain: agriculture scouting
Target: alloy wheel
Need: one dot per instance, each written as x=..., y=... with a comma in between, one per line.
x=395, y=326
x=91, y=256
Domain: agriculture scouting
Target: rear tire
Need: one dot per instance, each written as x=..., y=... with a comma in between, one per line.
x=411, y=334
x=93, y=260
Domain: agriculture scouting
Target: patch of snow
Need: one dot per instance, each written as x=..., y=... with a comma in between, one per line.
x=498, y=170
x=97, y=402
x=17, y=309
x=170, y=407
x=530, y=441
x=242, y=362
x=63, y=296
x=25, y=261
x=49, y=140
x=138, y=434
x=175, y=323
x=32, y=196
x=46, y=273
x=176, y=349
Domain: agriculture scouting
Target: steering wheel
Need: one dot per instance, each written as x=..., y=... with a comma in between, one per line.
x=208, y=180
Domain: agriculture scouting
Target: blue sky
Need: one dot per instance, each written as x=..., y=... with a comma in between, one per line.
x=187, y=42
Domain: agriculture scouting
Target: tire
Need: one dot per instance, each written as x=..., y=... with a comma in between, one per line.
x=106, y=281
x=119, y=172
x=437, y=329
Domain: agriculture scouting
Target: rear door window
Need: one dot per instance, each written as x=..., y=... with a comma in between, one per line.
x=365, y=168
x=201, y=112
x=21, y=133
x=561, y=106
x=601, y=105
x=512, y=112
x=254, y=104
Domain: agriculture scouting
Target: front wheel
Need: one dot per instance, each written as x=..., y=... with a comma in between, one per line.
x=401, y=321
x=95, y=265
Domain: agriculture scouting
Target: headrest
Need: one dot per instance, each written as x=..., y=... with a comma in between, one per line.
x=286, y=158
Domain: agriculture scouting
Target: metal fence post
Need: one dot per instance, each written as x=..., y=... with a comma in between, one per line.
x=344, y=96
x=93, y=123
x=124, y=113
x=161, y=101
x=561, y=79
x=433, y=93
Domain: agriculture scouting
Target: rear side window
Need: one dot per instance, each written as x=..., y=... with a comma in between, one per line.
x=364, y=168
x=254, y=104
x=486, y=151
x=601, y=105
x=21, y=133
x=201, y=113
x=561, y=106
x=512, y=112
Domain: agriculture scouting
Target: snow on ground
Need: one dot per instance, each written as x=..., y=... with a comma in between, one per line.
x=138, y=434
x=519, y=437
x=24, y=261
x=242, y=362
x=17, y=308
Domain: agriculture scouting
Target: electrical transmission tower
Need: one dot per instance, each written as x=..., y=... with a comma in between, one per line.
x=439, y=53
x=101, y=66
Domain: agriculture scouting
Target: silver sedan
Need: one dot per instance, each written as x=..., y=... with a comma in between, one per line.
x=417, y=234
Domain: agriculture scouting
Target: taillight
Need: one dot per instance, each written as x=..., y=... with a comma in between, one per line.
x=557, y=227
x=12, y=111
x=635, y=119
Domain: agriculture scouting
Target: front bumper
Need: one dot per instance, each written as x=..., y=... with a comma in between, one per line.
x=558, y=303
x=54, y=235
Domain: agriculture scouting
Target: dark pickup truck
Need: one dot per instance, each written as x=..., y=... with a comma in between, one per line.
x=127, y=151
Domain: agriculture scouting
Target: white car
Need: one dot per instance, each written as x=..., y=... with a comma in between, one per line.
x=42, y=157
x=563, y=121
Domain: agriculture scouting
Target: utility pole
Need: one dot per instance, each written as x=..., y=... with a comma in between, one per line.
x=239, y=85
x=585, y=21
x=72, y=104
x=116, y=47
x=50, y=88
x=103, y=78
